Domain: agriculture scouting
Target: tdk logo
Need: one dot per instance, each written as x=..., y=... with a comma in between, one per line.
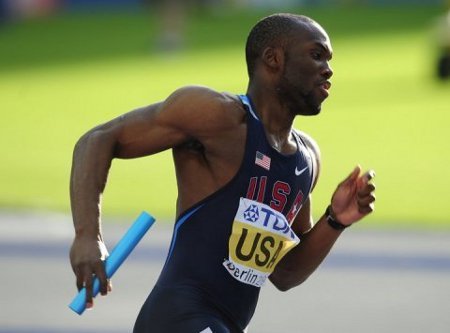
x=251, y=214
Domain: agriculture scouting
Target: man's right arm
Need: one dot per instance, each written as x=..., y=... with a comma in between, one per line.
x=138, y=133
x=135, y=134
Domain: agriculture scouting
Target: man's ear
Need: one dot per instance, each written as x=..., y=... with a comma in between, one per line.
x=273, y=57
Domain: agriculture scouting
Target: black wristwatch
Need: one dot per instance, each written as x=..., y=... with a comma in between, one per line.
x=332, y=221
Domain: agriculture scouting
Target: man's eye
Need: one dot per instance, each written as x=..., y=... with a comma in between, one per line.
x=316, y=55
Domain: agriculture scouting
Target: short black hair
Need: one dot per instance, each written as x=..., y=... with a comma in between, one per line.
x=271, y=30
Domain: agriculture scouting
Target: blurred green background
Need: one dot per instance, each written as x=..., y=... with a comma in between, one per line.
x=63, y=74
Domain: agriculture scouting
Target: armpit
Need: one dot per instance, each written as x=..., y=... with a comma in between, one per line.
x=192, y=145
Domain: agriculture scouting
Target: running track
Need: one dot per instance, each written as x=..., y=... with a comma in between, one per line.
x=374, y=281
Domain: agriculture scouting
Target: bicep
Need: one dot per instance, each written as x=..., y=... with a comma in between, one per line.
x=159, y=126
x=146, y=131
x=187, y=114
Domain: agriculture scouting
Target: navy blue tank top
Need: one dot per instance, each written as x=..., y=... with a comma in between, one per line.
x=224, y=247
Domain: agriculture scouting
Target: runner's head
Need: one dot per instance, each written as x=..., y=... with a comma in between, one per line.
x=289, y=54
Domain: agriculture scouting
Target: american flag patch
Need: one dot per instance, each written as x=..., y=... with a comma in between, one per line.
x=262, y=160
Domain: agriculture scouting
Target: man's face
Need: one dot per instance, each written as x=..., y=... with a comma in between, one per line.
x=304, y=82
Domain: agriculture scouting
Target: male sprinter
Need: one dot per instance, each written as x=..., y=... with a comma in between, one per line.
x=244, y=180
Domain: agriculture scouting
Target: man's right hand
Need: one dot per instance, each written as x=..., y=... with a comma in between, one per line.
x=87, y=256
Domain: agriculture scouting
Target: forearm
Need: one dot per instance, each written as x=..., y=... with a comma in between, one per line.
x=352, y=200
x=303, y=260
x=90, y=166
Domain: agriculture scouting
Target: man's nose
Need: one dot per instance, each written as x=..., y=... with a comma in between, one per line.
x=327, y=72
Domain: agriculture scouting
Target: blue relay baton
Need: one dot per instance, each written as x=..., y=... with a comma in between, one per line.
x=118, y=255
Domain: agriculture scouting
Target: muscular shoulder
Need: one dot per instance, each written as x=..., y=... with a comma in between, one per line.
x=315, y=150
x=201, y=108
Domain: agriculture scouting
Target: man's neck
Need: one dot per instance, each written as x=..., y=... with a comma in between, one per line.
x=274, y=114
x=276, y=118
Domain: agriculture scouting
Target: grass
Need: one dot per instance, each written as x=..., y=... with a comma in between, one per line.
x=60, y=77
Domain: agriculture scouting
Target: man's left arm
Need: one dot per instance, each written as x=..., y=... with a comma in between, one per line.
x=352, y=200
